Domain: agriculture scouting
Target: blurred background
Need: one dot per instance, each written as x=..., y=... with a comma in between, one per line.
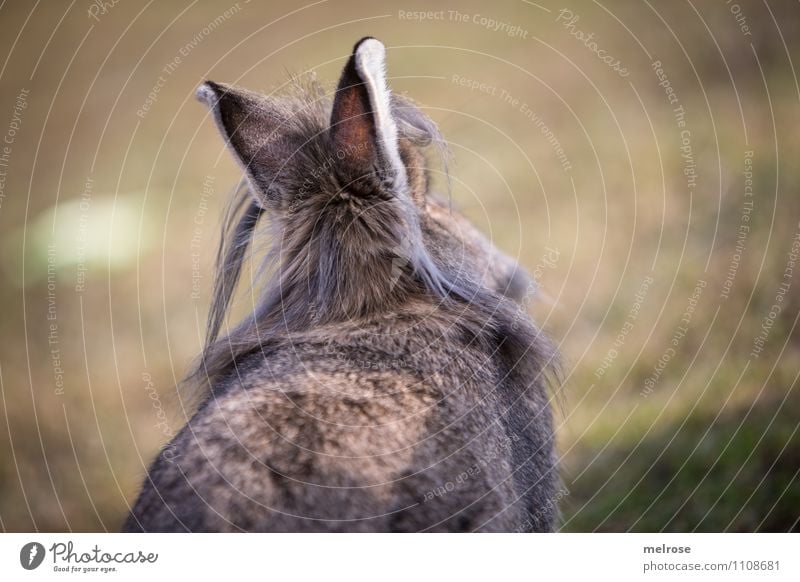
x=640, y=159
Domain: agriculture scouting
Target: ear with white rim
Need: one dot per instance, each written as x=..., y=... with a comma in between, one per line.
x=363, y=131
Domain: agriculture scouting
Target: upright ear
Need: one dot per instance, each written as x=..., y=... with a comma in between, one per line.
x=255, y=129
x=362, y=130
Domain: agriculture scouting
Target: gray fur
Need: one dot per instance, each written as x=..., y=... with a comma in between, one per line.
x=387, y=380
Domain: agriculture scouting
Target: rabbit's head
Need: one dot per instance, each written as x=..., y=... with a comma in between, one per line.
x=347, y=187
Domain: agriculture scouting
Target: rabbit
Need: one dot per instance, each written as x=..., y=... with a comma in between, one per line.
x=388, y=378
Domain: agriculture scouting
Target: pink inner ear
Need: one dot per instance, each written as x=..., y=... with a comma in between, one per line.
x=352, y=123
x=353, y=129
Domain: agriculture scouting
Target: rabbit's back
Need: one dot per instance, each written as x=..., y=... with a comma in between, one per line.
x=308, y=437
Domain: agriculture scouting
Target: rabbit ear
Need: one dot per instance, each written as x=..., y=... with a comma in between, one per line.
x=362, y=129
x=252, y=124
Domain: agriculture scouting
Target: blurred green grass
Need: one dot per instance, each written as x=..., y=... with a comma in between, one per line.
x=713, y=447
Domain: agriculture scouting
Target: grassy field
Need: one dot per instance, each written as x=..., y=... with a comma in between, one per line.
x=639, y=158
